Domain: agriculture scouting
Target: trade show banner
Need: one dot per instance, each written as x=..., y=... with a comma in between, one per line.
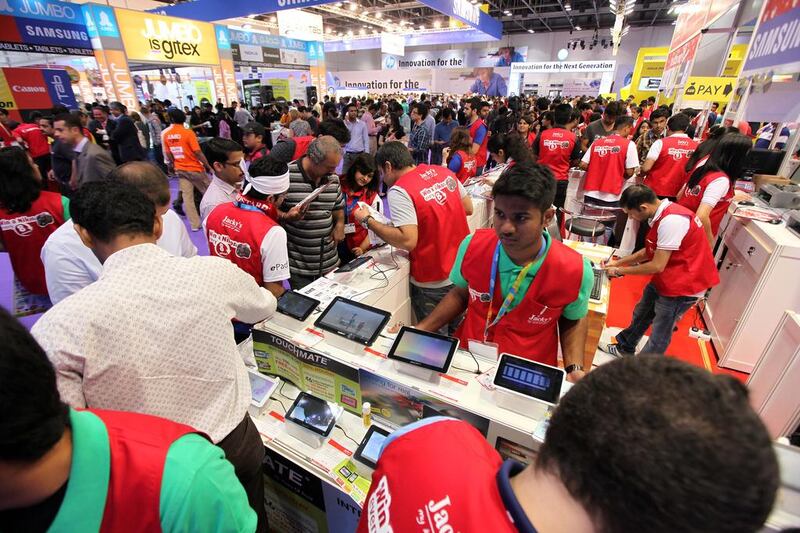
x=382, y=81
x=264, y=50
x=776, y=43
x=43, y=26
x=210, y=10
x=294, y=497
x=468, y=13
x=158, y=39
x=297, y=24
x=471, y=57
x=28, y=89
x=308, y=370
x=393, y=44
x=251, y=90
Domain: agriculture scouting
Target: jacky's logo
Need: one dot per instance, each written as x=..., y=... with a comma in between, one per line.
x=172, y=38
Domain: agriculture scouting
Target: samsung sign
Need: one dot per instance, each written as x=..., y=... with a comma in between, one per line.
x=466, y=11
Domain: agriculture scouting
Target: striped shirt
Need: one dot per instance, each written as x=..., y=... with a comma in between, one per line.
x=312, y=251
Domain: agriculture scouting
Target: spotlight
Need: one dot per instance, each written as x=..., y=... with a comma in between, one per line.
x=378, y=15
x=507, y=13
x=353, y=6
x=530, y=30
x=567, y=7
x=437, y=24
x=273, y=18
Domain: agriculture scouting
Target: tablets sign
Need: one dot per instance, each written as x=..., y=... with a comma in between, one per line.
x=43, y=26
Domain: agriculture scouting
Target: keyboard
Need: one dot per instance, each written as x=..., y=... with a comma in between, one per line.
x=597, y=286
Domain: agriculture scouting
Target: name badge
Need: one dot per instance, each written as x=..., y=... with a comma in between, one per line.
x=349, y=228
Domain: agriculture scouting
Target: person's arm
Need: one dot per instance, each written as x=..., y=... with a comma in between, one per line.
x=455, y=163
x=654, y=266
x=365, y=137
x=195, y=147
x=631, y=159
x=249, y=302
x=403, y=237
x=587, y=157
x=502, y=89
x=55, y=338
x=632, y=259
x=104, y=164
x=535, y=147
x=652, y=156
x=452, y=305
x=480, y=134
x=338, y=217
x=704, y=214
x=572, y=335
x=274, y=261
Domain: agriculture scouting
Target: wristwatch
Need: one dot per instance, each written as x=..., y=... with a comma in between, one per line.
x=365, y=221
x=572, y=368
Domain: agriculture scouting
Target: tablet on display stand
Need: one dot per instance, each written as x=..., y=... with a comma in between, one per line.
x=311, y=419
x=370, y=448
x=421, y=354
x=527, y=387
x=293, y=310
x=351, y=326
x=261, y=388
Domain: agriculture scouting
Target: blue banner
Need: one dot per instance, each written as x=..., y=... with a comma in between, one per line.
x=100, y=21
x=53, y=33
x=44, y=10
x=223, y=37
x=59, y=88
x=211, y=10
x=776, y=44
x=468, y=13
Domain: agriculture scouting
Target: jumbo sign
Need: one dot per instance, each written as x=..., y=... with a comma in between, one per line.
x=155, y=38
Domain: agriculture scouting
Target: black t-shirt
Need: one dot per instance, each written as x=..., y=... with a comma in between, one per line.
x=595, y=130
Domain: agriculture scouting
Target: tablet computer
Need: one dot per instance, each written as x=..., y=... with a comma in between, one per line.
x=261, y=387
x=370, y=448
x=529, y=378
x=423, y=349
x=354, y=321
x=312, y=413
x=296, y=305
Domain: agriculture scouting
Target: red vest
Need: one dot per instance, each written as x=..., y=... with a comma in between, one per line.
x=668, y=174
x=236, y=233
x=529, y=330
x=301, y=146
x=482, y=155
x=690, y=268
x=555, y=150
x=138, y=447
x=530, y=139
x=606, y=172
x=351, y=200
x=257, y=154
x=469, y=166
x=24, y=235
x=452, y=485
x=34, y=138
x=441, y=220
x=691, y=199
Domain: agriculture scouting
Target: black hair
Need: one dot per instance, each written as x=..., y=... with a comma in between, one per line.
x=176, y=116
x=614, y=109
x=562, y=114
x=622, y=121
x=327, y=107
x=678, y=122
x=512, y=145
x=529, y=180
x=365, y=164
x=659, y=113
x=107, y=209
x=32, y=416
x=19, y=187
x=549, y=116
x=422, y=109
x=71, y=120
x=595, y=116
x=542, y=103
x=715, y=134
x=445, y=113
x=636, y=195
x=728, y=156
x=396, y=153
x=146, y=177
x=653, y=444
x=217, y=150
x=336, y=128
x=638, y=131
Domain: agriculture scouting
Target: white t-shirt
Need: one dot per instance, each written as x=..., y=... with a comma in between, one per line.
x=715, y=191
x=631, y=161
x=655, y=148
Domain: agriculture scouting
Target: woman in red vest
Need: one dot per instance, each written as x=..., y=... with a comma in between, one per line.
x=359, y=185
x=28, y=215
x=523, y=292
x=709, y=190
x=463, y=164
x=525, y=129
x=508, y=149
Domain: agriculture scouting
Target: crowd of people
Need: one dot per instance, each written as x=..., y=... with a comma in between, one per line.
x=139, y=323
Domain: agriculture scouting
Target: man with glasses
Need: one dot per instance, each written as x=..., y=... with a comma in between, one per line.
x=225, y=157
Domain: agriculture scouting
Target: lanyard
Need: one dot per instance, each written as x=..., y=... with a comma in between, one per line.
x=512, y=291
x=349, y=208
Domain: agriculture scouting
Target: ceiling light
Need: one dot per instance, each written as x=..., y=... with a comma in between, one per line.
x=362, y=31
x=328, y=30
x=350, y=33
x=507, y=13
x=577, y=28
x=338, y=4
x=273, y=18
x=378, y=15
x=567, y=7
x=530, y=31
x=437, y=24
x=474, y=2
x=251, y=16
x=421, y=27
x=247, y=26
x=353, y=6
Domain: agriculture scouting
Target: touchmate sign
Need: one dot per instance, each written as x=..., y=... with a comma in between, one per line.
x=156, y=38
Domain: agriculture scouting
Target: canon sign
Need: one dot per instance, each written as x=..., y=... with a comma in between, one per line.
x=24, y=89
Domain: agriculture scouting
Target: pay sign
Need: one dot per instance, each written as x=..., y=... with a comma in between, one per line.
x=709, y=89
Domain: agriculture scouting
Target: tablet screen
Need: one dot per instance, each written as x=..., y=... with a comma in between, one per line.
x=529, y=378
x=353, y=321
x=261, y=387
x=313, y=413
x=370, y=448
x=296, y=305
x=424, y=349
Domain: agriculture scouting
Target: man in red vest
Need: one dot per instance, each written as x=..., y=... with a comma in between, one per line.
x=429, y=209
x=253, y=135
x=557, y=149
x=64, y=469
x=548, y=283
x=626, y=433
x=477, y=111
x=664, y=169
x=246, y=231
x=679, y=258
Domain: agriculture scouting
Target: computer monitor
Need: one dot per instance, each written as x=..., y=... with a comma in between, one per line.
x=762, y=161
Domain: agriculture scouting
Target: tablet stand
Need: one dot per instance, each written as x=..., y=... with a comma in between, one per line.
x=286, y=321
x=347, y=345
x=530, y=407
x=418, y=372
x=305, y=435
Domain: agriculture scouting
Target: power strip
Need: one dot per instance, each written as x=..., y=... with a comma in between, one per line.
x=698, y=333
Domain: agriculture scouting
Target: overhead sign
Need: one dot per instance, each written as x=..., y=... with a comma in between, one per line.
x=682, y=55
x=709, y=89
x=393, y=43
x=43, y=26
x=649, y=84
x=158, y=39
x=503, y=56
x=468, y=13
x=211, y=10
x=298, y=24
x=550, y=67
x=258, y=49
x=776, y=44
x=34, y=88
